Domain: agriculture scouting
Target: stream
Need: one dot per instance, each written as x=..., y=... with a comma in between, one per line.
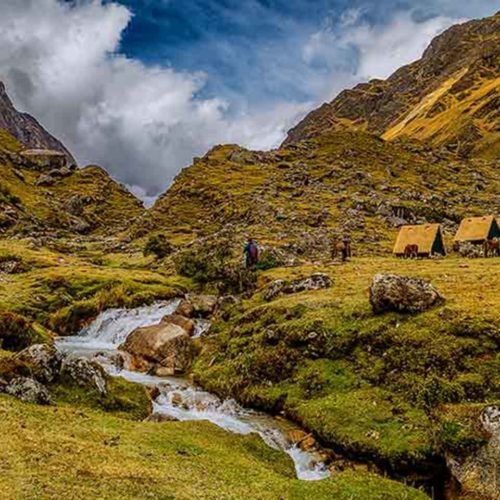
x=179, y=398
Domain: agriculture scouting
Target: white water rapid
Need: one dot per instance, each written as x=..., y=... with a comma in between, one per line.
x=179, y=398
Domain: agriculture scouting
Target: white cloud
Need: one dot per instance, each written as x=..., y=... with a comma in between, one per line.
x=61, y=63
x=143, y=124
x=360, y=51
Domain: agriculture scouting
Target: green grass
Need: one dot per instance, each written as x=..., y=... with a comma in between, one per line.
x=372, y=385
x=54, y=452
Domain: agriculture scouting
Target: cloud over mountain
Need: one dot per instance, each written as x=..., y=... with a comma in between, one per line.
x=61, y=61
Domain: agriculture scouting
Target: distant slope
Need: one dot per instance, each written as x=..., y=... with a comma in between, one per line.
x=297, y=197
x=26, y=129
x=450, y=97
x=52, y=201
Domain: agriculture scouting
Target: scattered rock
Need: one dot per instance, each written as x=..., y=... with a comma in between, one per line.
x=478, y=472
x=391, y=292
x=85, y=373
x=197, y=306
x=45, y=180
x=45, y=360
x=165, y=349
x=316, y=281
x=28, y=390
x=185, y=308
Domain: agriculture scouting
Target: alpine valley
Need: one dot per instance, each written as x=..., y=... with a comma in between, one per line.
x=139, y=357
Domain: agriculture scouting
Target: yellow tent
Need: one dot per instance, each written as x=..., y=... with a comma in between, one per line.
x=427, y=237
x=477, y=229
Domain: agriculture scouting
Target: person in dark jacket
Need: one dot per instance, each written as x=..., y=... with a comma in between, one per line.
x=346, y=247
x=251, y=253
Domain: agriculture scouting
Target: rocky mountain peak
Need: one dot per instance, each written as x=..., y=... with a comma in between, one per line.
x=27, y=129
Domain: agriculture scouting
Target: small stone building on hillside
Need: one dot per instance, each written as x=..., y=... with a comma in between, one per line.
x=426, y=239
x=476, y=230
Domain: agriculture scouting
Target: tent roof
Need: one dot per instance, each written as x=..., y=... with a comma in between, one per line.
x=422, y=235
x=474, y=228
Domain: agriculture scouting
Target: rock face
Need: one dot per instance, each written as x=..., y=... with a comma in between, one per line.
x=316, y=281
x=197, y=306
x=28, y=390
x=185, y=323
x=165, y=349
x=85, y=373
x=391, y=292
x=478, y=473
x=27, y=130
x=45, y=360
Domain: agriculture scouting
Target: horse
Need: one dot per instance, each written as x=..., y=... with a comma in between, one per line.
x=411, y=252
x=491, y=246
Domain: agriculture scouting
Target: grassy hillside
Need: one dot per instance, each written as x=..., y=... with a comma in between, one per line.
x=397, y=389
x=63, y=451
x=82, y=201
x=297, y=197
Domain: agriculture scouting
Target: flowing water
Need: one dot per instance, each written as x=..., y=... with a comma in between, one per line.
x=179, y=398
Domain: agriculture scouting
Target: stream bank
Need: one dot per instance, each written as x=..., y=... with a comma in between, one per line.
x=177, y=398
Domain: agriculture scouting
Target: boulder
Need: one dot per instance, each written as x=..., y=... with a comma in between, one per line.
x=391, y=292
x=479, y=471
x=316, y=281
x=85, y=373
x=197, y=306
x=45, y=360
x=165, y=349
x=28, y=390
x=176, y=319
x=185, y=308
x=45, y=180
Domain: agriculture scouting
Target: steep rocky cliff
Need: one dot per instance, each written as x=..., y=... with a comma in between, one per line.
x=26, y=129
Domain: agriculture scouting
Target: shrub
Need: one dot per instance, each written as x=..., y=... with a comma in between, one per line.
x=214, y=264
x=159, y=246
x=16, y=332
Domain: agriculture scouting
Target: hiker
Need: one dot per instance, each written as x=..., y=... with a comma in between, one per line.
x=346, y=248
x=251, y=252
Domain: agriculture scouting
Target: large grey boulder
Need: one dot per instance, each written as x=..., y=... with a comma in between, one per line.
x=164, y=349
x=45, y=360
x=479, y=471
x=391, y=292
x=85, y=373
x=316, y=281
x=28, y=390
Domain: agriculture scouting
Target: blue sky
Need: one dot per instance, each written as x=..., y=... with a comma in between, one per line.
x=142, y=86
x=252, y=48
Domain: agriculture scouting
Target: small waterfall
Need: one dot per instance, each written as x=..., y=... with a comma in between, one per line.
x=179, y=398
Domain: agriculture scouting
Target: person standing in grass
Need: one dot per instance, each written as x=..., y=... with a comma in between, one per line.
x=251, y=253
x=346, y=247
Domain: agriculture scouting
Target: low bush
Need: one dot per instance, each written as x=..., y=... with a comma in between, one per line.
x=159, y=246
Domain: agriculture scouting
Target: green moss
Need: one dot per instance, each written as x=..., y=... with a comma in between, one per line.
x=16, y=332
x=123, y=398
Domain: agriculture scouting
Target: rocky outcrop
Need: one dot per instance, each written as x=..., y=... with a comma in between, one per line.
x=28, y=390
x=164, y=349
x=391, y=292
x=316, y=281
x=197, y=306
x=84, y=373
x=27, y=130
x=478, y=472
x=44, y=359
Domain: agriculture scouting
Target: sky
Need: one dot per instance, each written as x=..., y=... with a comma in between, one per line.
x=142, y=86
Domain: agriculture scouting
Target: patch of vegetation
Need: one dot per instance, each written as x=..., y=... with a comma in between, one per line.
x=213, y=265
x=123, y=398
x=159, y=246
x=16, y=332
